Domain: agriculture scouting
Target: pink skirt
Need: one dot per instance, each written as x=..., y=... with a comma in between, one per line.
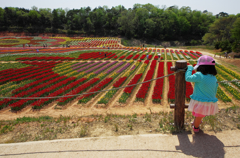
x=203, y=108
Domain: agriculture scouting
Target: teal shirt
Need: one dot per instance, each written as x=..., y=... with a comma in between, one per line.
x=205, y=88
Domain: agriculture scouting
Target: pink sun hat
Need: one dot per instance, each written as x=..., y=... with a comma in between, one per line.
x=204, y=60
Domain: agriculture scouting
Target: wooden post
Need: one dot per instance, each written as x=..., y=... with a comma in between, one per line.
x=180, y=91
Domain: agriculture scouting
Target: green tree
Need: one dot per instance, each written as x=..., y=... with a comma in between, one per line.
x=10, y=16
x=34, y=17
x=2, y=17
x=235, y=31
x=59, y=19
x=141, y=15
x=150, y=27
x=22, y=18
x=46, y=17
x=126, y=23
x=236, y=35
x=184, y=26
x=220, y=30
x=98, y=18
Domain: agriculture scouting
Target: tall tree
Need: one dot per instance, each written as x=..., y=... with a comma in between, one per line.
x=126, y=23
x=34, y=17
x=46, y=17
x=2, y=17
x=220, y=30
x=236, y=35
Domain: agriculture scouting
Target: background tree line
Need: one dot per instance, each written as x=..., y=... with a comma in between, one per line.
x=142, y=22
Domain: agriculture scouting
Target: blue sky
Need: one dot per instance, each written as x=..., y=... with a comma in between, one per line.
x=214, y=6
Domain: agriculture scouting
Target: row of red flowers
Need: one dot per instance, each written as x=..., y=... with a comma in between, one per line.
x=136, y=57
x=134, y=81
x=119, y=82
x=77, y=90
x=28, y=91
x=145, y=86
x=39, y=103
x=143, y=57
x=25, y=73
x=158, y=89
x=171, y=92
x=45, y=58
x=42, y=93
x=94, y=55
x=97, y=87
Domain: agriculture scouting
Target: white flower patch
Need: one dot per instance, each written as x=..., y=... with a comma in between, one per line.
x=187, y=57
x=180, y=56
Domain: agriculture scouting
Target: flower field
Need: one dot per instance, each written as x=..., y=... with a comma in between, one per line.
x=61, y=75
x=86, y=42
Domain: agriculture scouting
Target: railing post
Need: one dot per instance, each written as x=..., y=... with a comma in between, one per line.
x=180, y=91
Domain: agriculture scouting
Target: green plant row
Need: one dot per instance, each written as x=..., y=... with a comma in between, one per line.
x=227, y=77
x=169, y=56
x=232, y=90
x=237, y=76
x=222, y=96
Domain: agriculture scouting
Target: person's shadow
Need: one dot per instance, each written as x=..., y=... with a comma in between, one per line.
x=202, y=145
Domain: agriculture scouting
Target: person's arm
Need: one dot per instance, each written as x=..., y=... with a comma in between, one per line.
x=192, y=78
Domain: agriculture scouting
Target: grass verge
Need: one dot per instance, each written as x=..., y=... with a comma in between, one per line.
x=65, y=127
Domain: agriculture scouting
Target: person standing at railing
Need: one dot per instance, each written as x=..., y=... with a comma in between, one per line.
x=159, y=56
x=203, y=100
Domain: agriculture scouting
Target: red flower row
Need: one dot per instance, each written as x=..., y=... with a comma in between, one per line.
x=133, y=81
x=45, y=77
x=59, y=92
x=27, y=73
x=45, y=58
x=40, y=63
x=98, y=87
x=119, y=82
x=149, y=57
x=20, y=103
x=157, y=93
x=129, y=57
x=143, y=57
x=35, y=89
x=94, y=55
x=109, y=57
x=79, y=89
x=136, y=57
x=171, y=92
x=122, y=57
x=40, y=86
x=145, y=86
x=156, y=58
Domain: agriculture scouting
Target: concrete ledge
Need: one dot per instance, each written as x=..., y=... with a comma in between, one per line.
x=223, y=144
